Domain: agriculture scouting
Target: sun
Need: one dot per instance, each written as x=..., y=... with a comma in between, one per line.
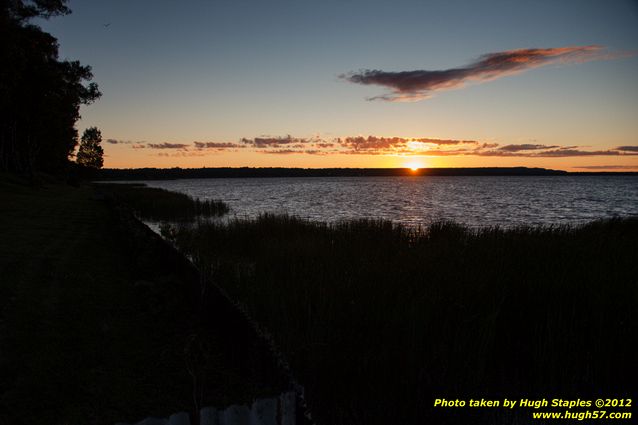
x=414, y=166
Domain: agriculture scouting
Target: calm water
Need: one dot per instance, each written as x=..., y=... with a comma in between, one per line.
x=475, y=201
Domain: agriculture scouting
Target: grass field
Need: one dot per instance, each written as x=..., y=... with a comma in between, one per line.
x=98, y=324
x=377, y=320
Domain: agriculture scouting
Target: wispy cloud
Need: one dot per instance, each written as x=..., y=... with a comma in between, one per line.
x=276, y=142
x=167, y=145
x=122, y=142
x=524, y=147
x=608, y=167
x=217, y=145
x=380, y=145
x=421, y=84
x=389, y=145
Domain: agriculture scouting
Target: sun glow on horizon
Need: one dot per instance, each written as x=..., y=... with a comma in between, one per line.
x=414, y=166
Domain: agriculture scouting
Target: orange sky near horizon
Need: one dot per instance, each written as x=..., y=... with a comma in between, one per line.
x=125, y=157
x=366, y=152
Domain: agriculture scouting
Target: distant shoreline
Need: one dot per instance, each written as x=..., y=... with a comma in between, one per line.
x=249, y=172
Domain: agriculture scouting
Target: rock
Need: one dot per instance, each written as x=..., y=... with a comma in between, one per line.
x=235, y=415
x=264, y=412
x=208, y=416
x=180, y=418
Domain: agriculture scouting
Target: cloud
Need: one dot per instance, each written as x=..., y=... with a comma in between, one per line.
x=396, y=144
x=549, y=152
x=608, y=167
x=381, y=145
x=282, y=151
x=421, y=84
x=372, y=143
x=167, y=145
x=121, y=142
x=578, y=152
x=524, y=147
x=276, y=142
x=217, y=145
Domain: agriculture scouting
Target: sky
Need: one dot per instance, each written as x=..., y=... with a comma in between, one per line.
x=348, y=83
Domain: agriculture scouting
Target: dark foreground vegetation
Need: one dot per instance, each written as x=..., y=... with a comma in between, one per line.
x=378, y=320
x=156, y=204
x=102, y=322
x=40, y=95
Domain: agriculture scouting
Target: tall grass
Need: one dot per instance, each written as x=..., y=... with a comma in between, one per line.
x=377, y=319
x=157, y=204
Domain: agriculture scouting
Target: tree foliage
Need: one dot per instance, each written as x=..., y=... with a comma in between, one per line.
x=40, y=95
x=91, y=153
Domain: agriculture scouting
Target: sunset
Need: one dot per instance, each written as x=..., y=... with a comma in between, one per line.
x=542, y=84
x=296, y=212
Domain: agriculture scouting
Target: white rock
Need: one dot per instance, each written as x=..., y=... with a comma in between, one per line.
x=264, y=412
x=153, y=421
x=180, y=418
x=288, y=408
x=208, y=416
x=235, y=415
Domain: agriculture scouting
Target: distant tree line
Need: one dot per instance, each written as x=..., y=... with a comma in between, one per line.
x=40, y=95
x=224, y=172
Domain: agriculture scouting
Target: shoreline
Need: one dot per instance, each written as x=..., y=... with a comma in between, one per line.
x=110, y=174
x=114, y=307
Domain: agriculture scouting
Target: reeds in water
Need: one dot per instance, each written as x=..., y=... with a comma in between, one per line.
x=158, y=204
x=378, y=319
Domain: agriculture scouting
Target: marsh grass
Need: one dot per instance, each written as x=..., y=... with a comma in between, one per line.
x=377, y=319
x=157, y=204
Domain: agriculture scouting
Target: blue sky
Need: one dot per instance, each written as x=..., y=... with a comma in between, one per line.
x=219, y=71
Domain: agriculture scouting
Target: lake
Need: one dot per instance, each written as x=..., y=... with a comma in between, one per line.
x=419, y=200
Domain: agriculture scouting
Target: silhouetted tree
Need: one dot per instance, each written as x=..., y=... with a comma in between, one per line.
x=40, y=96
x=91, y=153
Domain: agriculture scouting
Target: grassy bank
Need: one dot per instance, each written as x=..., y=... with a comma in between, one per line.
x=100, y=323
x=378, y=320
x=150, y=203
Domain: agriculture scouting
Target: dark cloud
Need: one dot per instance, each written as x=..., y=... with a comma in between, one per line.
x=446, y=141
x=276, y=142
x=551, y=153
x=372, y=143
x=282, y=151
x=579, y=152
x=382, y=145
x=121, y=142
x=524, y=147
x=217, y=145
x=167, y=145
x=181, y=153
x=489, y=145
x=421, y=84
